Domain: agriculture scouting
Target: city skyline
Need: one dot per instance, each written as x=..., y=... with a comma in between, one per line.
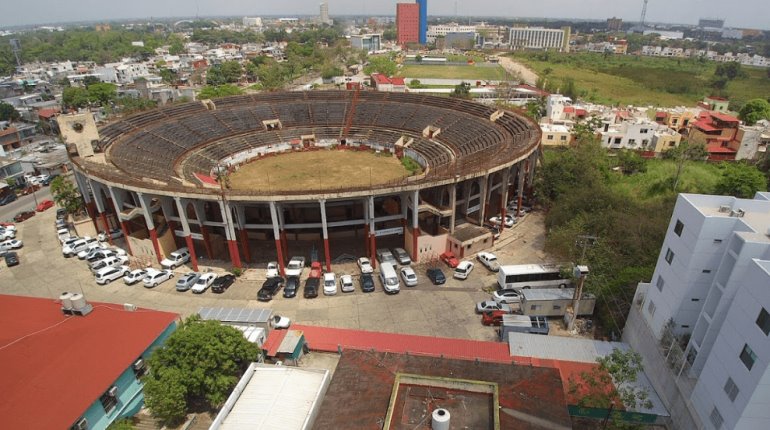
x=748, y=14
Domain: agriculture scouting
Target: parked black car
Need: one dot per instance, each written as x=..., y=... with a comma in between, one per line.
x=222, y=283
x=292, y=286
x=270, y=288
x=11, y=259
x=47, y=181
x=61, y=213
x=367, y=283
x=8, y=199
x=436, y=276
x=311, y=288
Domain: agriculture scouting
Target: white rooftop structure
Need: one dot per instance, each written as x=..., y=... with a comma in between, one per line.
x=272, y=397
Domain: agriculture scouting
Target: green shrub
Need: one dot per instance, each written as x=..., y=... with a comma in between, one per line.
x=237, y=271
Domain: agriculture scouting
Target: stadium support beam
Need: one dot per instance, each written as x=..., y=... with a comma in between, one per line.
x=117, y=202
x=84, y=187
x=277, y=235
x=453, y=205
x=504, y=197
x=145, y=201
x=200, y=216
x=186, y=232
x=243, y=234
x=325, y=232
x=372, y=236
x=232, y=243
x=415, y=224
x=520, y=188
x=483, y=202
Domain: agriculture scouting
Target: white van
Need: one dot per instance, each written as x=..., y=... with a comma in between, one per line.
x=389, y=278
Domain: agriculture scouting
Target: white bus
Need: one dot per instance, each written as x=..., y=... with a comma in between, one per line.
x=523, y=276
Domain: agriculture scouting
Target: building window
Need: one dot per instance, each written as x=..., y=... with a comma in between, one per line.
x=706, y=270
x=618, y=140
x=763, y=321
x=717, y=240
x=731, y=389
x=563, y=138
x=550, y=137
x=669, y=256
x=643, y=131
x=535, y=307
x=660, y=283
x=678, y=228
x=109, y=399
x=632, y=141
x=716, y=418
x=694, y=300
x=651, y=308
x=556, y=307
x=748, y=357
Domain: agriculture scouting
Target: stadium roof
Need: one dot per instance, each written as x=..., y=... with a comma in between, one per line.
x=55, y=366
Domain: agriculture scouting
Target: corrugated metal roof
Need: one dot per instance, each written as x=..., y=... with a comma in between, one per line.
x=534, y=294
x=236, y=315
x=277, y=397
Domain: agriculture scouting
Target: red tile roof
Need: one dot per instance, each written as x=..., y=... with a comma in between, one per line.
x=48, y=112
x=704, y=125
x=55, y=366
x=397, y=81
x=273, y=342
x=717, y=148
x=723, y=117
x=569, y=109
x=379, y=78
x=581, y=112
x=206, y=179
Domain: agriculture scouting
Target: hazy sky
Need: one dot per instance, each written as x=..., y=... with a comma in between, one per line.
x=737, y=13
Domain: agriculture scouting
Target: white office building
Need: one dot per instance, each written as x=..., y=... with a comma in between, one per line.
x=367, y=42
x=442, y=30
x=710, y=292
x=540, y=38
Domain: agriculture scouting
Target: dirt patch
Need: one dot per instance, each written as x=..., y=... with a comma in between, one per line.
x=518, y=69
x=318, y=170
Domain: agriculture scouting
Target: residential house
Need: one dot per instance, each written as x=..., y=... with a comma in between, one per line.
x=718, y=132
x=556, y=135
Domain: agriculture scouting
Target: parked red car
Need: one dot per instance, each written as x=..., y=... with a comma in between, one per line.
x=493, y=317
x=450, y=259
x=21, y=216
x=7, y=224
x=45, y=204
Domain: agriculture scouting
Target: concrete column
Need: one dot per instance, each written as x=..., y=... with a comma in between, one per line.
x=232, y=244
x=117, y=201
x=483, y=203
x=372, y=237
x=284, y=240
x=453, y=205
x=243, y=235
x=325, y=231
x=520, y=190
x=145, y=201
x=277, y=235
x=167, y=207
x=186, y=231
x=504, y=197
x=200, y=215
x=415, y=224
x=366, y=227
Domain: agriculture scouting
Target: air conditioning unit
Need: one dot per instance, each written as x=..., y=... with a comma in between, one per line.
x=139, y=364
x=82, y=424
x=113, y=392
x=738, y=213
x=129, y=307
x=725, y=208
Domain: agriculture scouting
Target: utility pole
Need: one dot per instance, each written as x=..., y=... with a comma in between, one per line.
x=584, y=241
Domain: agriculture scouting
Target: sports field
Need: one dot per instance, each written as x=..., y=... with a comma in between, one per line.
x=318, y=170
x=489, y=73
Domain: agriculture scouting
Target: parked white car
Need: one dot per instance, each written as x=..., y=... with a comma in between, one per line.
x=77, y=246
x=330, y=284
x=346, y=284
x=204, y=282
x=82, y=255
x=365, y=265
x=509, y=221
x=156, y=277
x=507, y=296
x=112, y=234
x=176, y=259
x=111, y=261
x=409, y=277
x=463, y=270
x=279, y=322
x=63, y=234
x=109, y=274
x=295, y=266
x=272, y=270
x=11, y=244
x=7, y=234
x=489, y=261
x=134, y=276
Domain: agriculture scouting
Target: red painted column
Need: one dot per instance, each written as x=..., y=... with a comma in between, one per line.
x=155, y=245
x=328, y=256
x=206, y=242
x=415, y=235
x=193, y=259
x=244, y=235
x=279, y=251
x=518, y=206
x=235, y=257
x=126, y=232
x=372, y=250
x=106, y=226
x=91, y=210
x=366, y=241
x=284, y=243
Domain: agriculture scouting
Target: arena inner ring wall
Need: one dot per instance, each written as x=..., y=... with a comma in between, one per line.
x=152, y=175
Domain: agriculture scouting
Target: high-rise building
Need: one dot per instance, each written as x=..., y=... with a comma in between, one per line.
x=423, y=31
x=325, y=13
x=540, y=38
x=614, y=24
x=407, y=23
x=710, y=291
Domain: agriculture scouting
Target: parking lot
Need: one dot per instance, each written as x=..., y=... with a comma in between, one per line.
x=446, y=311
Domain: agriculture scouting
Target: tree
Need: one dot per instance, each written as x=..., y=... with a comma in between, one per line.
x=631, y=162
x=462, y=91
x=8, y=112
x=754, y=110
x=74, y=97
x=199, y=364
x=585, y=131
x=380, y=64
x=102, y=93
x=740, y=180
x=212, y=92
x=66, y=195
x=618, y=370
x=682, y=154
x=418, y=58
x=90, y=80
x=730, y=70
x=330, y=71
x=570, y=89
x=225, y=73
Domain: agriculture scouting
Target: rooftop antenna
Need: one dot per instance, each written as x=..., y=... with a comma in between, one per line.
x=644, y=14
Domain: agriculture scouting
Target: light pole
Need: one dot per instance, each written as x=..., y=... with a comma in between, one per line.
x=584, y=241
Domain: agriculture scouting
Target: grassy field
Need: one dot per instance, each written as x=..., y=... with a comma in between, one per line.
x=494, y=73
x=641, y=81
x=697, y=177
x=314, y=170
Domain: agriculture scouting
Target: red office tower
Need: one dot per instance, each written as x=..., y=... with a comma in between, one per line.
x=408, y=23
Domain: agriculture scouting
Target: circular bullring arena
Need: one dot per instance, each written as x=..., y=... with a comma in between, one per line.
x=322, y=174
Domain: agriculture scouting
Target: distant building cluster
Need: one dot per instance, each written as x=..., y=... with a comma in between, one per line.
x=540, y=38
x=728, y=57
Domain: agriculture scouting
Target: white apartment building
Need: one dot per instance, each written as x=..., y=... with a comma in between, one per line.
x=637, y=134
x=255, y=22
x=122, y=73
x=711, y=288
x=554, y=107
x=442, y=30
x=540, y=38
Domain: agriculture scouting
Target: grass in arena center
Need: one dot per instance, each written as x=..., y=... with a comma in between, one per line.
x=314, y=170
x=493, y=73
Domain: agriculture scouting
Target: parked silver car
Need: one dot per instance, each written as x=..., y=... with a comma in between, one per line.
x=187, y=281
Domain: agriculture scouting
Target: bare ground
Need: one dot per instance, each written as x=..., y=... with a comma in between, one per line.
x=515, y=68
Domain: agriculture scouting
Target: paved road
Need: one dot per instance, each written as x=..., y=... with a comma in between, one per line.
x=27, y=202
x=445, y=311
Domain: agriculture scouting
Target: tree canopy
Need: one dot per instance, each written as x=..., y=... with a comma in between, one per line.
x=380, y=64
x=740, y=180
x=226, y=73
x=8, y=112
x=66, y=195
x=754, y=110
x=199, y=364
